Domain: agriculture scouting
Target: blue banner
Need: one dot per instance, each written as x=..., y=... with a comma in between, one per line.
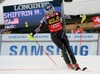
x=25, y=15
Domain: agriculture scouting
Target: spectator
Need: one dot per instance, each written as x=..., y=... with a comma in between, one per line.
x=77, y=30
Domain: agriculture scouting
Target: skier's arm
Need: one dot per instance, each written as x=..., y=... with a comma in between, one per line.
x=38, y=29
x=65, y=16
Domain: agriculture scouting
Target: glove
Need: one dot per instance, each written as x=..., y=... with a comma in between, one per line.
x=78, y=16
x=33, y=33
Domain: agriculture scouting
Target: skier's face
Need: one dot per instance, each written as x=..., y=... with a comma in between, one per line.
x=49, y=10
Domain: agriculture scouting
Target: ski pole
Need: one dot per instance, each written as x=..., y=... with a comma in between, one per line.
x=82, y=21
x=32, y=38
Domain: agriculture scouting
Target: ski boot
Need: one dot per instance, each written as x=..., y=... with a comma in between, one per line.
x=76, y=67
x=70, y=66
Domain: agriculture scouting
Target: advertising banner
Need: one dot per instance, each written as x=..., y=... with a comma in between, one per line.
x=96, y=21
x=32, y=48
x=0, y=43
x=19, y=44
x=47, y=37
x=25, y=15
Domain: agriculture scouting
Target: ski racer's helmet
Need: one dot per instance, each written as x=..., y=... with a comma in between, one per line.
x=48, y=8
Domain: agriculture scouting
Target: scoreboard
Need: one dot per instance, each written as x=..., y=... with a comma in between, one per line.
x=25, y=15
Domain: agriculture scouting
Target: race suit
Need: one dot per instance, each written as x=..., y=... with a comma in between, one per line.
x=58, y=36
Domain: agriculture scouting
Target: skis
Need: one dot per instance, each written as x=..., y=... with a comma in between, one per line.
x=79, y=69
x=82, y=69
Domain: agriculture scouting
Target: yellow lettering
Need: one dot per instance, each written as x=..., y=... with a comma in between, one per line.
x=54, y=20
x=57, y=17
x=50, y=21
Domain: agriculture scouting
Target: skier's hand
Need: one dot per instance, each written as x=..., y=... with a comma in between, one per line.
x=33, y=33
x=78, y=16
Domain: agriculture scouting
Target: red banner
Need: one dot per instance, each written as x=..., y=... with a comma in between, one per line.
x=96, y=21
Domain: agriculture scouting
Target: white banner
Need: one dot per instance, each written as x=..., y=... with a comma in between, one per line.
x=19, y=44
x=0, y=43
x=82, y=0
x=47, y=37
x=82, y=7
x=32, y=48
x=29, y=48
x=24, y=37
x=98, y=45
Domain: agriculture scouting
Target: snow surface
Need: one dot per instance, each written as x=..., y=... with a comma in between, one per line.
x=43, y=65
